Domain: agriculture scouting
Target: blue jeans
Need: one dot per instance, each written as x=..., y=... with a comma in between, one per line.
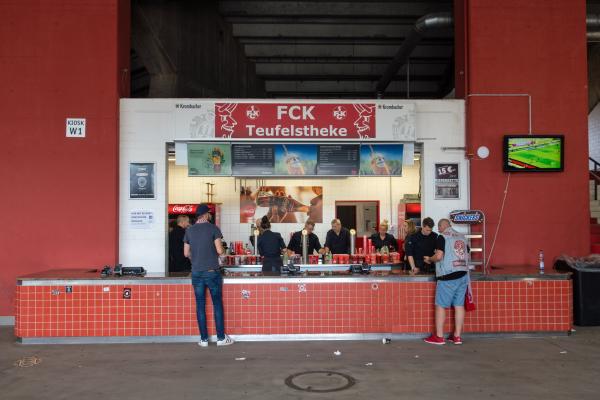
x=214, y=281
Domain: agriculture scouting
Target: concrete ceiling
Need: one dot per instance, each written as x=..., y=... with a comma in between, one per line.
x=338, y=49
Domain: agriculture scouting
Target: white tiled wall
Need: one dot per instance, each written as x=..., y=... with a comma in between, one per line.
x=183, y=189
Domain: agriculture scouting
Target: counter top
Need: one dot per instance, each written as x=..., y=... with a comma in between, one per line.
x=313, y=273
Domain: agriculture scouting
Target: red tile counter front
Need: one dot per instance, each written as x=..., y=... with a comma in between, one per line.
x=282, y=306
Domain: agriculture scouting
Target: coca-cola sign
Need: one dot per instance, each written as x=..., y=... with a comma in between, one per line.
x=182, y=208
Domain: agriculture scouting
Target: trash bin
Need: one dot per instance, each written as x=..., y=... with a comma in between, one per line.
x=586, y=294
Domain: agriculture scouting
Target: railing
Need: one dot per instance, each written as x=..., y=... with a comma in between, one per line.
x=595, y=174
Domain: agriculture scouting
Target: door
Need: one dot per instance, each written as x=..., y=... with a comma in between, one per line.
x=346, y=214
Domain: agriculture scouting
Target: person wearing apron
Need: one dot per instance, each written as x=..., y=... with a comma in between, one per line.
x=270, y=245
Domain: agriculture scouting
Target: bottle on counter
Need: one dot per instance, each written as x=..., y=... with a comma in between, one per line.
x=232, y=249
x=328, y=258
x=541, y=261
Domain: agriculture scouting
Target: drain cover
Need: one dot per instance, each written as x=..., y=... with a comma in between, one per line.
x=320, y=381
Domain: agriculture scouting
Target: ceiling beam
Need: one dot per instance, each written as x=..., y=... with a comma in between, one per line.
x=332, y=8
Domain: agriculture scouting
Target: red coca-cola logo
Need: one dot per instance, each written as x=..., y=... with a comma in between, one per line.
x=182, y=208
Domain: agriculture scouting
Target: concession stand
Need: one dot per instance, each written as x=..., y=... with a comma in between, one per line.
x=293, y=161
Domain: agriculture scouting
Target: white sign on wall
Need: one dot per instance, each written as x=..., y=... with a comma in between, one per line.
x=141, y=219
x=75, y=127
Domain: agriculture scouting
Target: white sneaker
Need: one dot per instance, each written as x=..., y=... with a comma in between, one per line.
x=226, y=341
x=203, y=343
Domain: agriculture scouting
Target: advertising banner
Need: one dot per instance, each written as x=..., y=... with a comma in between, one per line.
x=300, y=120
x=282, y=204
x=209, y=159
x=295, y=120
x=381, y=159
x=446, y=181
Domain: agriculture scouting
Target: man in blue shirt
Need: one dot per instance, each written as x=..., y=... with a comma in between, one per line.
x=202, y=245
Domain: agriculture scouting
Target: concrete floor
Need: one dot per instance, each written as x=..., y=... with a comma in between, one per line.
x=536, y=368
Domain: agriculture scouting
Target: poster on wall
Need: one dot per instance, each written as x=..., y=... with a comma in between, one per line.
x=141, y=180
x=281, y=204
x=209, y=159
x=292, y=159
x=381, y=159
x=446, y=181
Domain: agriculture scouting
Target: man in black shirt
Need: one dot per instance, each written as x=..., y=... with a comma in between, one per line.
x=295, y=245
x=337, y=240
x=178, y=262
x=420, y=245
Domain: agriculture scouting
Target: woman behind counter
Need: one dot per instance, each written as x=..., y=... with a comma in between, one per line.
x=382, y=238
x=270, y=245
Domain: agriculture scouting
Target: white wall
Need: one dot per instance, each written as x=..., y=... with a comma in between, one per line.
x=146, y=125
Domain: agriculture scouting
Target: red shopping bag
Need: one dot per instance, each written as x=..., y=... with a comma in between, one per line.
x=469, y=302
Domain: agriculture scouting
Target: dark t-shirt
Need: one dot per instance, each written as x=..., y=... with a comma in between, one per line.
x=440, y=244
x=338, y=244
x=270, y=244
x=296, y=243
x=419, y=246
x=177, y=261
x=201, y=238
x=389, y=241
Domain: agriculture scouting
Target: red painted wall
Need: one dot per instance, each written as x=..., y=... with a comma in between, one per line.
x=536, y=47
x=59, y=202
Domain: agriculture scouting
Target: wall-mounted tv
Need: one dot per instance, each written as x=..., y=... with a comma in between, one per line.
x=534, y=153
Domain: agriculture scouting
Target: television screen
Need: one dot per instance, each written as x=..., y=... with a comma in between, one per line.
x=381, y=159
x=295, y=159
x=208, y=159
x=530, y=153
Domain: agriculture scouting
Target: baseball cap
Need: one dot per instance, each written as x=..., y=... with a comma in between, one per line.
x=202, y=209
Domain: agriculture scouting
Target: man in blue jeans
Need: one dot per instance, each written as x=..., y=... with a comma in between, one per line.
x=451, y=271
x=202, y=245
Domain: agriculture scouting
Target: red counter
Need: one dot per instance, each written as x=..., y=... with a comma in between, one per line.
x=78, y=306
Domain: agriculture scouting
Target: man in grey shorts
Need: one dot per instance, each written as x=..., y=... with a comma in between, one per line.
x=451, y=271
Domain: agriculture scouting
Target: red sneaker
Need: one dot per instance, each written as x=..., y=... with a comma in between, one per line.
x=435, y=339
x=455, y=339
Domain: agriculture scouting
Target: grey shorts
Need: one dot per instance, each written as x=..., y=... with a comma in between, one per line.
x=451, y=293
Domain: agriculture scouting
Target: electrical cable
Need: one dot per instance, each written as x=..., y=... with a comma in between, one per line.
x=499, y=223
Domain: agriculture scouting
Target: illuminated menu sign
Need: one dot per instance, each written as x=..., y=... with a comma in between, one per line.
x=338, y=159
x=253, y=159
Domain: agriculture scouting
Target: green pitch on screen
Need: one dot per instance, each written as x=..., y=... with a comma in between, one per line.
x=534, y=153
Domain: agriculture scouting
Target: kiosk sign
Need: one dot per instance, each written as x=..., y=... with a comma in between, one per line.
x=295, y=120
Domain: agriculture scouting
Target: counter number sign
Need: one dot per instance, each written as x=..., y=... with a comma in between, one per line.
x=75, y=128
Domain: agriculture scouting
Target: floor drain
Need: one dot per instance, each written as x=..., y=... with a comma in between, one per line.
x=320, y=381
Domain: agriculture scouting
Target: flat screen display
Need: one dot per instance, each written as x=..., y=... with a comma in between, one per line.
x=338, y=159
x=529, y=153
x=253, y=159
x=381, y=159
x=295, y=159
x=209, y=159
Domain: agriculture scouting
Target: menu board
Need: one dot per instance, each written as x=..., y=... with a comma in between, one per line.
x=209, y=159
x=295, y=159
x=381, y=159
x=253, y=159
x=338, y=159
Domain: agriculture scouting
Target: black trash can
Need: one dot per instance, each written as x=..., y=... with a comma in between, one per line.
x=586, y=294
